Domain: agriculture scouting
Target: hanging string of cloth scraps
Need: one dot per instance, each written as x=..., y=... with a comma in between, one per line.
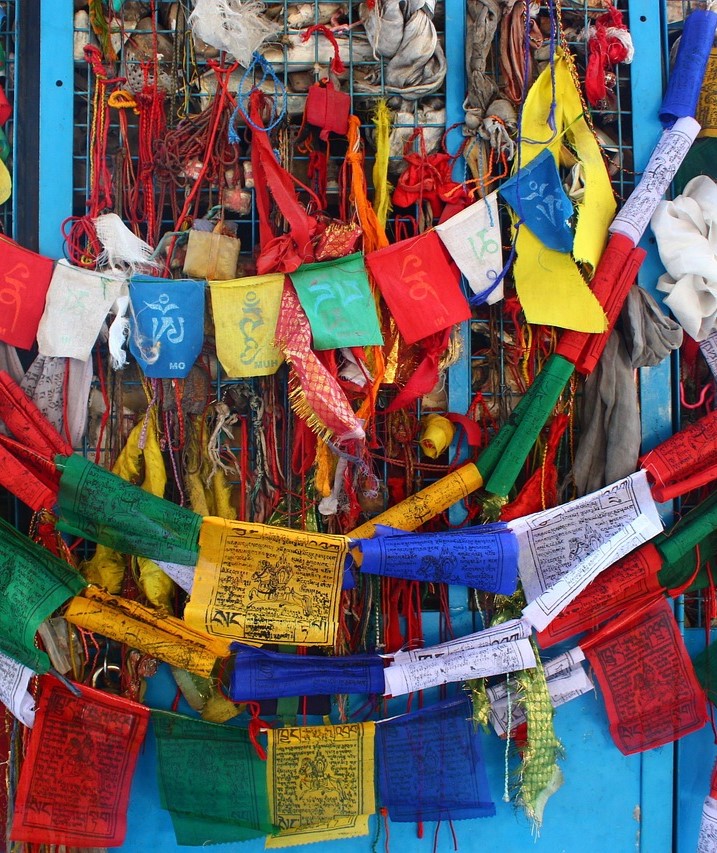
x=82, y=247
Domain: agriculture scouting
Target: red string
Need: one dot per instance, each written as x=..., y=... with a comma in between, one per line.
x=337, y=66
x=256, y=724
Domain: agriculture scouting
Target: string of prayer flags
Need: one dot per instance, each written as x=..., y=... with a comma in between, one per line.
x=261, y=674
x=536, y=194
x=651, y=692
x=337, y=299
x=208, y=804
x=675, y=465
x=421, y=286
x=562, y=549
x=321, y=782
x=24, y=279
x=430, y=765
x=504, y=648
x=100, y=506
x=34, y=583
x=246, y=311
x=153, y=632
x=167, y=327
x=267, y=584
x=76, y=306
x=76, y=777
x=473, y=239
x=469, y=557
x=566, y=679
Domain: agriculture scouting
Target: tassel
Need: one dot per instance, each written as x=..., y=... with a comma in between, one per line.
x=382, y=188
x=120, y=247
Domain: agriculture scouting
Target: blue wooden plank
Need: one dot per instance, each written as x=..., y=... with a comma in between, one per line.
x=56, y=122
x=646, y=27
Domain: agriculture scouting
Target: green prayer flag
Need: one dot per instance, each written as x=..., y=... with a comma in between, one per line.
x=33, y=584
x=98, y=505
x=210, y=780
x=337, y=299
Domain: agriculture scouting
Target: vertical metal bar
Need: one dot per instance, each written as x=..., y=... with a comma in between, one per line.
x=646, y=27
x=56, y=118
x=26, y=174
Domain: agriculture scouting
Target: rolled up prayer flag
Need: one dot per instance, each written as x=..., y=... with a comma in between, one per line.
x=707, y=840
x=167, y=329
x=24, y=279
x=682, y=455
x=469, y=557
x=25, y=475
x=76, y=777
x=685, y=82
x=261, y=674
x=102, y=507
x=337, y=299
x=430, y=765
x=650, y=689
x=504, y=648
x=27, y=423
x=151, y=631
x=205, y=802
x=34, y=583
x=14, y=678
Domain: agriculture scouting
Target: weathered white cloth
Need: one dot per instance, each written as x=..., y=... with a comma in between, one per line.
x=686, y=233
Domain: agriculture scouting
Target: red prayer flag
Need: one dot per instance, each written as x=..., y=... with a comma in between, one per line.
x=421, y=285
x=650, y=689
x=76, y=777
x=631, y=580
x=683, y=455
x=24, y=279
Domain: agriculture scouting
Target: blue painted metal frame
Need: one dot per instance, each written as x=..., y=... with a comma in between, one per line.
x=56, y=119
x=633, y=793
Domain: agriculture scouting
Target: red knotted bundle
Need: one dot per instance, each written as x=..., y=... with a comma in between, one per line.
x=685, y=461
x=421, y=285
x=627, y=583
x=606, y=49
x=75, y=780
x=24, y=280
x=286, y=252
x=427, y=178
x=647, y=679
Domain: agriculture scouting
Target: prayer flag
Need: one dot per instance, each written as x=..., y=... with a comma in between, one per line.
x=261, y=674
x=76, y=306
x=473, y=240
x=650, y=689
x=76, y=777
x=211, y=781
x=337, y=299
x=34, y=583
x=467, y=557
x=100, y=506
x=421, y=286
x=246, y=311
x=321, y=782
x=167, y=329
x=430, y=765
x=24, y=279
x=267, y=584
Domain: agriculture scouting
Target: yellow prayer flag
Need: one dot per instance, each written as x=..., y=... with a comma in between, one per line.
x=245, y=314
x=320, y=781
x=162, y=636
x=707, y=105
x=265, y=584
x=549, y=284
